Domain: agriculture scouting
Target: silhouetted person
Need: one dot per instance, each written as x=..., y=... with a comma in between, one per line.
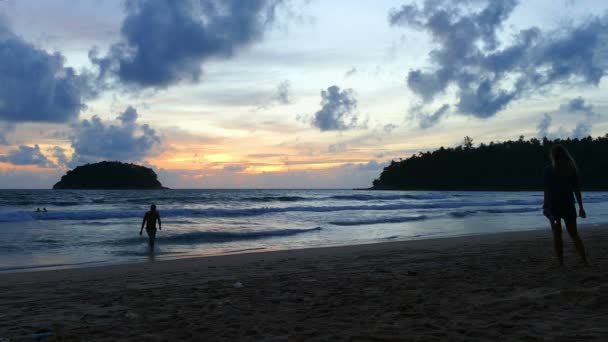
x=38, y=210
x=150, y=219
x=44, y=210
x=561, y=182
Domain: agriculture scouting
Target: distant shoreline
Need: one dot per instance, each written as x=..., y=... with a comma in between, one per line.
x=468, y=189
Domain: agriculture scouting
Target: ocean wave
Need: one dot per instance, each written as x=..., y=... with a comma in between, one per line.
x=466, y=213
x=46, y=241
x=214, y=237
x=380, y=220
x=510, y=210
x=40, y=203
x=277, y=199
x=92, y=223
x=234, y=212
x=378, y=197
x=288, y=198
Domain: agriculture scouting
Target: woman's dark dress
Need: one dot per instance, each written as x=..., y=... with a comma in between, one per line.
x=560, y=190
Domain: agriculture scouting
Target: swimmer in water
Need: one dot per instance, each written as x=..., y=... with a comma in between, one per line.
x=149, y=221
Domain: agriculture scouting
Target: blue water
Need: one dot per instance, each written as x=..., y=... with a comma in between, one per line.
x=102, y=227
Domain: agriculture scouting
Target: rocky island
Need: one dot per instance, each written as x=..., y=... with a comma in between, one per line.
x=109, y=175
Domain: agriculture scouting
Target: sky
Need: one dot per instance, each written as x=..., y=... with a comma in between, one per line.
x=288, y=93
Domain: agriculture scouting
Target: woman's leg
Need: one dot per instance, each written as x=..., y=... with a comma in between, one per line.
x=556, y=226
x=578, y=243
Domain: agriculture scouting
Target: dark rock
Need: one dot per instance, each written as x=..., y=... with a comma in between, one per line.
x=109, y=175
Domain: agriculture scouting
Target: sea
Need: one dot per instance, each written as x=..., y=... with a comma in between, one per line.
x=100, y=227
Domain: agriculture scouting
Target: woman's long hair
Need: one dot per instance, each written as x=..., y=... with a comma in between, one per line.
x=562, y=161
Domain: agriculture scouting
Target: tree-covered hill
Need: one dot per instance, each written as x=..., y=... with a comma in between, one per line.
x=509, y=165
x=109, y=175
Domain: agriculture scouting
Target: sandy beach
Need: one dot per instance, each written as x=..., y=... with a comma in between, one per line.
x=492, y=287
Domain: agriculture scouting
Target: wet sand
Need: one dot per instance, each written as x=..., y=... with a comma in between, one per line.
x=492, y=287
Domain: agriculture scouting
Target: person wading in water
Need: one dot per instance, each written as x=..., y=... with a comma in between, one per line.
x=151, y=217
x=561, y=182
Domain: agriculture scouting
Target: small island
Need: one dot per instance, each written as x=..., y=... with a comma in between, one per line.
x=504, y=166
x=109, y=175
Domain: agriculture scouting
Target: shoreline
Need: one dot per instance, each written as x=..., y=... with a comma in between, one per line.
x=438, y=242
x=481, y=287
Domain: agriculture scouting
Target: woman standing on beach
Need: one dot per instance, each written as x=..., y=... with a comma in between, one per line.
x=561, y=182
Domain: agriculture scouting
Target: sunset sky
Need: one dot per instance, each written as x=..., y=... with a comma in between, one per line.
x=288, y=94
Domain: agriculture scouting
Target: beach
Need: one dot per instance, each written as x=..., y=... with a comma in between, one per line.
x=503, y=286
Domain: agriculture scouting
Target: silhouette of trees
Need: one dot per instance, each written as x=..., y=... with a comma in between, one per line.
x=468, y=142
x=509, y=165
x=109, y=175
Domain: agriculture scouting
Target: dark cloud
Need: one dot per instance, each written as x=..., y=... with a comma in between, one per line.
x=337, y=110
x=59, y=154
x=487, y=74
x=583, y=127
x=578, y=106
x=93, y=140
x=282, y=96
x=35, y=85
x=26, y=155
x=428, y=120
x=165, y=41
x=129, y=116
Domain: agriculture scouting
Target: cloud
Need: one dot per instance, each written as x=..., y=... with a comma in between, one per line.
x=235, y=168
x=574, y=106
x=428, y=120
x=93, y=140
x=129, y=116
x=578, y=105
x=337, y=111
x=165, y=41
x=487, y=74
x=351, y=72
x=282, y=96
x=582, y=130
x=337, y=148
x=26, y=155
x=346, y=176
x=264, y=155
x=372, y=165
x=388, y=128
x=59, y=154
x=543, y=126
x=5, y=129
x=36, y=86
